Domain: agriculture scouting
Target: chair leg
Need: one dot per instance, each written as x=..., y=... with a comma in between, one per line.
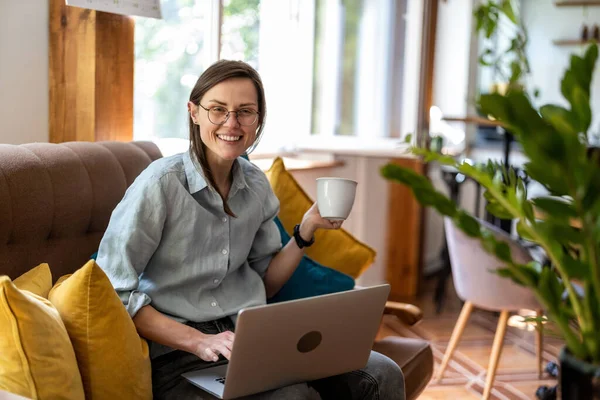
x=539, y=344
x=496, y=350
x=456, y=334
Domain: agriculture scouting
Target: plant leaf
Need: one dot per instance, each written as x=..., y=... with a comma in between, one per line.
x=522, y=232
x=575, y=269
x=406, y=176
x=560, y=118
x=495, y=105
x=468, y=224
x=591, y=56
x=567, y=85
x=508, y=11
x=581, y=106
x=556, y=207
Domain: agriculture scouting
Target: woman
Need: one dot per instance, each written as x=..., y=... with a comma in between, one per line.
x=194, y=241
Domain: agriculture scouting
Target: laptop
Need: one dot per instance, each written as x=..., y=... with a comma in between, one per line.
x=280, y=344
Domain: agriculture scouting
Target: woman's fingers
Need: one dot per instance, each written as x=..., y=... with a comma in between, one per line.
x=335, y=224
x=229, y=335
x=222, y=348
x=209, y=355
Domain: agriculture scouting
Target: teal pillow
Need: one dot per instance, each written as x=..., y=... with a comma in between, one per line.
x=310, y=278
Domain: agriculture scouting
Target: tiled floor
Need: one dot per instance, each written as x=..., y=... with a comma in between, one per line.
x=516, y=377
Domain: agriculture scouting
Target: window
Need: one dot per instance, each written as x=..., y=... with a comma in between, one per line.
x=326, y=64
x=336, y=55
x=240, y=31
x=169, y=55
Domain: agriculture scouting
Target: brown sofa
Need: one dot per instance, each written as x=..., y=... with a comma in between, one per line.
x=55, y=203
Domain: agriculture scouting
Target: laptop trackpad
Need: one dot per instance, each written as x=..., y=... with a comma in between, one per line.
x=210, y=379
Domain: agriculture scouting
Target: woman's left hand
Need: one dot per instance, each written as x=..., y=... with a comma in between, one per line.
x=312, y=221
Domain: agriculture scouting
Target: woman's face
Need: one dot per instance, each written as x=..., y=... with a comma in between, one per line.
x=228, y=141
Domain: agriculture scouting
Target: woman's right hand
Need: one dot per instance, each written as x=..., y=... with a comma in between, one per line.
x=209, y=347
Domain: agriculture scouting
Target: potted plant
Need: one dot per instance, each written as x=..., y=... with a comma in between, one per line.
x=565, y=223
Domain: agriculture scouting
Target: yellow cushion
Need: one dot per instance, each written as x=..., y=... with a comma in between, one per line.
x=36, y=357
x=113, y=360
x=336, y=249
x=37, y=280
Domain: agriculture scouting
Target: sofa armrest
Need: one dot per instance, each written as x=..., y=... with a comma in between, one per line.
x=407, y=313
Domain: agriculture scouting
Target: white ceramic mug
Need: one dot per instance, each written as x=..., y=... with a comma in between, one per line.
x=335, y=197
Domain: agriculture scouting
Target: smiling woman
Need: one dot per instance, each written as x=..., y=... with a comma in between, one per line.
x=184, y=264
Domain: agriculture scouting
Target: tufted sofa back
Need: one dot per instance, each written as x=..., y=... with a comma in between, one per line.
x=56, y=200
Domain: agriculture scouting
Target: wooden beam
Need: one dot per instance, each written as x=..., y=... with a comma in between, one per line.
x=428, y=35
x=114, y=76
x=404, y=236
x=90, y=75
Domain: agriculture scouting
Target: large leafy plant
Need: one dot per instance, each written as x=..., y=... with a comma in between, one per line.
x=555, y=141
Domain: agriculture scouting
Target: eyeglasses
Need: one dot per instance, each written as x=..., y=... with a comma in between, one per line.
x=219, y=115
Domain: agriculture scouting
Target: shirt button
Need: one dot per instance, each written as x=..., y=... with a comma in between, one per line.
x=214, y=304
x=215, y=281
x=224, y=219
x=224, y=251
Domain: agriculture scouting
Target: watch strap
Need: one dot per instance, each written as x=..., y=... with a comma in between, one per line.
x=301, y=242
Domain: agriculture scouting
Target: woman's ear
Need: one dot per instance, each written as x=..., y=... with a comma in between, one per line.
x=193, y=110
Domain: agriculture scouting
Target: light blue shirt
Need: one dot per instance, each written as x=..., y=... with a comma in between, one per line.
x=170, y=243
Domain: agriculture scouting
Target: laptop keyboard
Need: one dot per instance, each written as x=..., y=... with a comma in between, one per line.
x=221, y=380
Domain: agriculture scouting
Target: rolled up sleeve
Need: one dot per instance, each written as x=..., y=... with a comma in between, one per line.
x=131, y=238
x=267, y=241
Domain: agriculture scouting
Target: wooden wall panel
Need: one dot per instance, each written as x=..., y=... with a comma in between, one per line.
x=90, y=74
x=404, y=236
x=114, y=77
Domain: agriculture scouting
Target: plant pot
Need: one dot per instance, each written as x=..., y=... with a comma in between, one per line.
x=578, y=379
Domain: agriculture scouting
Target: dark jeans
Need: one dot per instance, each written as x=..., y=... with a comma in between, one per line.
x=380, y=379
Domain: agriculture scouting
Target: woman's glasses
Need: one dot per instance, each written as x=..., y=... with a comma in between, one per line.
x=219, y=115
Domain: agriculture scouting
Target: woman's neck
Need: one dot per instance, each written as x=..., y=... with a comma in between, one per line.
x=221, y=171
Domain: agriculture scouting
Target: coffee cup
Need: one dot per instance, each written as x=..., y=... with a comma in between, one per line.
x=335, y=197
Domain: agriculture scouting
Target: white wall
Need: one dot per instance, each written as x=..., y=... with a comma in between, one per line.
x=451, y=59
x=545, y=23
x=23, y=71
x=368, y=220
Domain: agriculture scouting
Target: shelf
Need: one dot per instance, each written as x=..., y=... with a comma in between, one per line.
x=474, y=119
x=573, y=3
x=573, y=42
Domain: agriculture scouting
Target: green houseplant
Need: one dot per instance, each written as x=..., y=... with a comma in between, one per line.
x=495, y=20
x=555, y=142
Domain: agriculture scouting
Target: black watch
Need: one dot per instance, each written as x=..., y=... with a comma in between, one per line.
x=301, y=242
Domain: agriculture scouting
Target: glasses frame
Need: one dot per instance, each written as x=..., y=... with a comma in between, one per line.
x=256, y=115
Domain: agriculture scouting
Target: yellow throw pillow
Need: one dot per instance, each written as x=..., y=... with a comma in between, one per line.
x=36, y=357
x=37, y=280
x=336, y=249
x=113, y=360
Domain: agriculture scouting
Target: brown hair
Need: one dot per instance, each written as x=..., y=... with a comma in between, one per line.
x=215, y=74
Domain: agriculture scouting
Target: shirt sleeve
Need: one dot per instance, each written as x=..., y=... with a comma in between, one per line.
x=267, y=241
x=131, y=238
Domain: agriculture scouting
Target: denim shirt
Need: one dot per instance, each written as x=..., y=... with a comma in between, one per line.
x=170, y=243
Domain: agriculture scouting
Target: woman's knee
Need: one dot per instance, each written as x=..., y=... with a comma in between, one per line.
x=387, y=375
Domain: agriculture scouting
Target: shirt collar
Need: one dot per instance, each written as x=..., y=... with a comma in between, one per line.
x=193, y=172
x=195, y=175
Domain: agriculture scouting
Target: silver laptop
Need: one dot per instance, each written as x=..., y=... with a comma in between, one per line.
x=297, y=341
